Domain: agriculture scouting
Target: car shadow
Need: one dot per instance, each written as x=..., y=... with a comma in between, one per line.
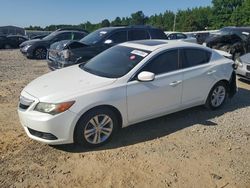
x=166, y=125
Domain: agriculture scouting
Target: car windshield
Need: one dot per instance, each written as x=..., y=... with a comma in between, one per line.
x=114, y=62
x=50, y=36
x=94, y=37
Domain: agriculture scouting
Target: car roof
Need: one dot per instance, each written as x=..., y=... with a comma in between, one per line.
x=152, y=45
x=127, y=27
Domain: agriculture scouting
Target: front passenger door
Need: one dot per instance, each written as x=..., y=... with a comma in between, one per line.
x=160, y=96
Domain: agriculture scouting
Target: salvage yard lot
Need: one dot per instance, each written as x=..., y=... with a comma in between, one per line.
x=192, y=148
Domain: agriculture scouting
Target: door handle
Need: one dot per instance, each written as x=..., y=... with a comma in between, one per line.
x=175, y=83
x=211, y=72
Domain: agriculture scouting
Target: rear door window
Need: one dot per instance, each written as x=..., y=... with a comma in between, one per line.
x=194, y=57
x=138, y=34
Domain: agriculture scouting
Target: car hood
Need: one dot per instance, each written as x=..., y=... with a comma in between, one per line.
x=29, y=42
x=64, y=84
x=59, y=45
x=67, y=44
x=245, y=58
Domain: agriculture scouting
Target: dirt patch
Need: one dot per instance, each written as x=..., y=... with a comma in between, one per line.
x=192, y=148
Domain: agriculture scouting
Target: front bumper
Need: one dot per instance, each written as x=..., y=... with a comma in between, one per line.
x=26, y=53
x=244, y=71
x=56, y=63
x=46, y=128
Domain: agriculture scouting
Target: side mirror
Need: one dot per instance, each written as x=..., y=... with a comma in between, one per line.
x=108, y=41
x=146, y=76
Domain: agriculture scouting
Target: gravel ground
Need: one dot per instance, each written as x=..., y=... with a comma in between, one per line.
x=192, y=148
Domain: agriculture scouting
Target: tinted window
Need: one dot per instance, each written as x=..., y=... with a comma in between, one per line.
x=172, y=36
x=95, y=37
x=114, y=62
x=193, y=57
x=78, y=36
x=119, y=37
x=138, y=35
x=63, y=36
x=166, y=62
x=157, y=34
x=180, y=36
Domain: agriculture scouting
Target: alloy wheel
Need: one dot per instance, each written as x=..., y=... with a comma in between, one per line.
x=98, y=129
x=218, y=96
x=40, y=53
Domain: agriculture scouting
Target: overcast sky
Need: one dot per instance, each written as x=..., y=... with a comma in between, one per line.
x=46, y=12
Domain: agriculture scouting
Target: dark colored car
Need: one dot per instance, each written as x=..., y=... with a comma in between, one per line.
x=66, y=53
x=234, y=40
x=11, y=41
x=37, y=48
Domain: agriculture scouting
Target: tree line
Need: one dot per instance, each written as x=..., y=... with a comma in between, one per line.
x=221, y=13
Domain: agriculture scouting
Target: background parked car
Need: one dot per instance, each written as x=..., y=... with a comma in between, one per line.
x=243, y=70
x=67, y=53
x=234, y=40
x=37, y=48
x=180, y=36
x=11, y=41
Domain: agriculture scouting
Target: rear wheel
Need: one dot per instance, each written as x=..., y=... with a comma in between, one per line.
x=217, y=96
x=96, y=127
x=40, y=53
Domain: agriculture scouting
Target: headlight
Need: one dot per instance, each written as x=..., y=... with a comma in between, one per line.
x=65, y=54
x=238, y=62
x=25, y=48
x=53, y=109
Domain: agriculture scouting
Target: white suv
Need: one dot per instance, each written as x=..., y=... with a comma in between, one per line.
x=126, y=84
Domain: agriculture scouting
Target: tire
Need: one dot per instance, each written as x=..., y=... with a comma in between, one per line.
x=91, y=132
x=40, y=53
x=7, y=46
x=217, y=96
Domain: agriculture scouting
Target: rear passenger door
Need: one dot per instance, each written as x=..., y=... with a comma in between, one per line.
x=198, y=75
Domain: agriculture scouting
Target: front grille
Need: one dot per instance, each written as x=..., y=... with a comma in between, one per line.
x=25, y=103
x=47, y=136
x=248, y=67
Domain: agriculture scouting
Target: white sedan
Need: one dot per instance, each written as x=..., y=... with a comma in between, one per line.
x=124, y=85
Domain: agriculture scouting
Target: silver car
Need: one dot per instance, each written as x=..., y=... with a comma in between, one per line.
x=243, y=70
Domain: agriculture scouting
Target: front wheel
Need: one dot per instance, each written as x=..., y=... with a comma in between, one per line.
x=96, y=127
x=40, y=53
x=217, y=96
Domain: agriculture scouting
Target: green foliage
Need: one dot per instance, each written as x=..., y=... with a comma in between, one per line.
x=221, y=13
